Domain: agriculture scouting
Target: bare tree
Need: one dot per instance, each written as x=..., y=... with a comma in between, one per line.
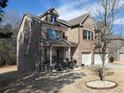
x=8, y=32
x=107, y=12
x=104, y=13
x=13, y=18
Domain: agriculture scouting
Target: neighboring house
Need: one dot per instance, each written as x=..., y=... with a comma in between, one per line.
x=46, y=38
x=98, y=53
x=117, y=44
x=115, y=47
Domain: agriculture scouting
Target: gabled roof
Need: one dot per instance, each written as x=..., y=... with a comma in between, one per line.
x=64, y=22
x=32, y=16
x=75, y=21
x=71, y=23
x=78, y=20
x=58, y=42
x=49, y=11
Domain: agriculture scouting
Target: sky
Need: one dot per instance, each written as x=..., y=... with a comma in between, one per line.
x=67, y=9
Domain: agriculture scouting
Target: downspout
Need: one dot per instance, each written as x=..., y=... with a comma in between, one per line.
x=78, y=34
x=41, y=61
x=79, y=43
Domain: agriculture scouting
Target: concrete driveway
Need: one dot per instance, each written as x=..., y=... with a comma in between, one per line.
x=114, y=66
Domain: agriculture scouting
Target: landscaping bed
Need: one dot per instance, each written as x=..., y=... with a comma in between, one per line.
x=98, y=84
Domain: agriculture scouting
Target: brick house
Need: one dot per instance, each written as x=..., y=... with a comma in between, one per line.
x=117, y=44
x=46, y=39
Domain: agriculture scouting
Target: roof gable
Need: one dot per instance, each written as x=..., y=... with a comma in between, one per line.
x=76, y=21
x=64, y=22
x=50, y=11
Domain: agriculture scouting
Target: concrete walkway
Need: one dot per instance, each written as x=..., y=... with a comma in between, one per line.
x=6, y=69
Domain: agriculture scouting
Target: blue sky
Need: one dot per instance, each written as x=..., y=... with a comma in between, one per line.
x=67, y=9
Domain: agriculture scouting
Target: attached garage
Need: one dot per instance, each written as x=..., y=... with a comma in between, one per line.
x=86, y=58
x=98, y=58
x=121, y=56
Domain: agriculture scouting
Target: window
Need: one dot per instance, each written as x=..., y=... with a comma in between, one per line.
x=60, y=34
x=85, y=34
x=52, y=34
x=46, y=18
x=88, y=35
x=91, y=35
x=53, y=19
x=55, y=34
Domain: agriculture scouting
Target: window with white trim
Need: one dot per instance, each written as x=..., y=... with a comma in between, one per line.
x=88, y=35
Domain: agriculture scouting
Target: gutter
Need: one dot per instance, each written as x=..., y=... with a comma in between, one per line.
x=78, y=35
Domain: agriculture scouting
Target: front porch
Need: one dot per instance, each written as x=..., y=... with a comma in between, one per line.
x=57, y=53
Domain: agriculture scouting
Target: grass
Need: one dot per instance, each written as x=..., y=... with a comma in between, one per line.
x=7, y=78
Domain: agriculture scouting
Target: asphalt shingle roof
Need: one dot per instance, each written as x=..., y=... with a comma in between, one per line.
x=78, y=19
x=73, y=22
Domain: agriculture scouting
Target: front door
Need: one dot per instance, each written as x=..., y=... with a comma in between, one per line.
x=57, y=53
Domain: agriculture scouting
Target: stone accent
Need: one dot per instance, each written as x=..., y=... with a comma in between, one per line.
x=28, y=52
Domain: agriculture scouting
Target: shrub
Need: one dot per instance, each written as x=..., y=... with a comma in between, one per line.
x=11, y=60
x=111, y=59
x=2, y=62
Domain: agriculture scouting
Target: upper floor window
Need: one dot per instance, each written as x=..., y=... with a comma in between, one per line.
x=88, y=35
x=53, y=18
x=52, y=34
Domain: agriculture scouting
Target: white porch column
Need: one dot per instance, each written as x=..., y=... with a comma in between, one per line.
x=69, y=53
x=51, y=54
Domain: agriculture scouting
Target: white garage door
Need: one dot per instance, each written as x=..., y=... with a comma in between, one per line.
x=98, y=59
x=86, y=58
x=121, y=56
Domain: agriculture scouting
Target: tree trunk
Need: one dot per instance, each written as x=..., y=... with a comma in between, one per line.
x=103, y=68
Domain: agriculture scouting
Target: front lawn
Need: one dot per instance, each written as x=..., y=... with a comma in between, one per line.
x=61, y=82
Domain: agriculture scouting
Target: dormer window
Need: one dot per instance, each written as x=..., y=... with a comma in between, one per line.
x=50, y=16
x=46, y=18
x=53, y=18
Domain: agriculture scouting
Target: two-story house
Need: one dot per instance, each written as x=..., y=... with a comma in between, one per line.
x=46, y=39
